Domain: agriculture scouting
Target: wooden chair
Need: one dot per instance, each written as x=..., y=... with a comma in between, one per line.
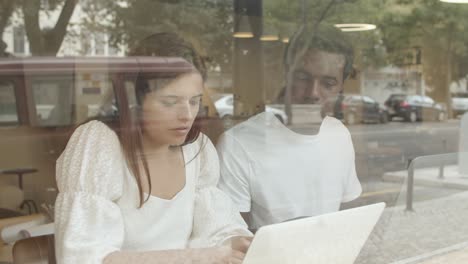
x=35, y=250
x=5, y=223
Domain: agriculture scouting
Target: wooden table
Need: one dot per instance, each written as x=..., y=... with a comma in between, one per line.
x=19, y=172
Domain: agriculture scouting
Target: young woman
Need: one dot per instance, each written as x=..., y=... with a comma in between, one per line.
x=142, y=188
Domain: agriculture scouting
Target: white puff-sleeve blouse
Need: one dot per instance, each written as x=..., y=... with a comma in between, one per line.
x=96, y=211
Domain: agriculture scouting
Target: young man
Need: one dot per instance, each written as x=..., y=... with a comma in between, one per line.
x=274, y=174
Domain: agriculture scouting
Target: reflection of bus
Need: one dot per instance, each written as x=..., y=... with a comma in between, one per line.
x=43, y=99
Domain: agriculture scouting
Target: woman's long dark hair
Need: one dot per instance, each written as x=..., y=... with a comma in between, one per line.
x=127, y=122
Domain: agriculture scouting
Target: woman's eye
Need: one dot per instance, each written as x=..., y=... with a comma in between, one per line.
x=168, y=103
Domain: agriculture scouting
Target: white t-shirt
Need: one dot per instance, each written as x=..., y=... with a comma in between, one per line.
x=277, y=174
x=96, y=211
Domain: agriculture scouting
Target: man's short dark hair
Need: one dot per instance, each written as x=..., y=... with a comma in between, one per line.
x=325, y=38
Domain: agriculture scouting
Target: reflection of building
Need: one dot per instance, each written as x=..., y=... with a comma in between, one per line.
x=380, y=83
x=78, y=40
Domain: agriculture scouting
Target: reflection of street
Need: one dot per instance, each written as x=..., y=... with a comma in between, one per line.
x=382, y=148
x=436, y=231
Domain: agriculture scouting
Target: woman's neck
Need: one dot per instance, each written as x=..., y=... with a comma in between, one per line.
x=152, y=148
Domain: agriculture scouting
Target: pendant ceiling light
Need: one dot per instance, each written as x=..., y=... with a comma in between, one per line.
x=455, y=1
x=355, y=27
x=269, y=33
x=243, y=29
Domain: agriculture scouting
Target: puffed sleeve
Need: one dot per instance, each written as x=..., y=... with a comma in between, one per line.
x=88, y=222
x=216, y=218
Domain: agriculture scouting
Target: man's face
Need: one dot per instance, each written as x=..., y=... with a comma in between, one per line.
x=318, y=77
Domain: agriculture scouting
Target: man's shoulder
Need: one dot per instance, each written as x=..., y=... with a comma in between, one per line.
x=334, y=126
x=247, y=128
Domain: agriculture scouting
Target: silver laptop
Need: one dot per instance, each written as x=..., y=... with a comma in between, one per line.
x=330, y=238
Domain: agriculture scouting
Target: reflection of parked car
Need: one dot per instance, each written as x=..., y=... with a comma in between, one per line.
x=414, y=108
x=459, y=103
x=355, y=108
x=225, y=107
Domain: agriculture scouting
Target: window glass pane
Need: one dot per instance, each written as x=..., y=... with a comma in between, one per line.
x=415, y=99
x=53, y=100
x=62, y=101
x=100, y=43
x=8, y=110
x=94, y=95
x=312, y=106
x=229, y=101
x=19, y=39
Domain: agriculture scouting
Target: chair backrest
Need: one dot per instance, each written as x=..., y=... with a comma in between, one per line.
x=35, y=250
x=10, y=228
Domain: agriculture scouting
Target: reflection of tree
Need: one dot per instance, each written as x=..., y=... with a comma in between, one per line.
x=6, y=9
x=205, y=23
x=46, y=41
x=439, y=29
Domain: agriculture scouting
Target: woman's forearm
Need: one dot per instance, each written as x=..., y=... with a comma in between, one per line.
x=179, y=256
x=153, y=257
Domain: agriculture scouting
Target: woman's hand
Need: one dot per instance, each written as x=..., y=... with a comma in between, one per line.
x=240, y=243
x=233, y=251
x=218, y=255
